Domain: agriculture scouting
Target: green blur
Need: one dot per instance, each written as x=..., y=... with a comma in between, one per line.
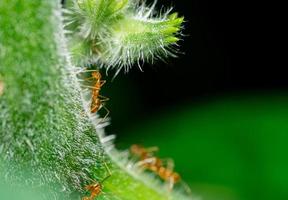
x=228, y=149
x=8, y=192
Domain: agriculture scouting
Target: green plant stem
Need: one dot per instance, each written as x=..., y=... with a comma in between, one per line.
x=43, y=122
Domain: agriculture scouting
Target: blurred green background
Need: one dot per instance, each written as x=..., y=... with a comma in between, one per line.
x=227, y=148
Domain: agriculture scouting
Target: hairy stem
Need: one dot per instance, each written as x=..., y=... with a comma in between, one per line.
x=44, y=121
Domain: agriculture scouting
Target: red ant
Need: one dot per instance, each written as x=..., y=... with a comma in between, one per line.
x=97, y=101
x=155, y=164
x=95, y=188
x=166, y=173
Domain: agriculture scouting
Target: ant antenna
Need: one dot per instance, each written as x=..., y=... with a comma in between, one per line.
x=109, y=173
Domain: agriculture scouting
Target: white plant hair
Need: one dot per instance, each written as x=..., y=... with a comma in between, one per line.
x=131, y=34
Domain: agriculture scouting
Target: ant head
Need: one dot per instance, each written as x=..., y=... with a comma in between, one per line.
x=96, y=75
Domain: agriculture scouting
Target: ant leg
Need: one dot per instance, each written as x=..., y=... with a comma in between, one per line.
x=102, y=83
x=102, y=106
x=170, y=164
x=87, y=79
x=103, y=98
x=79, y=71
x=186, y=187
x=88, y=70
x=88, y=86
x=171, y=184
x=109, y=173
x=103, y=119
x=83, y=80
x=152, y=149
x=151, y=160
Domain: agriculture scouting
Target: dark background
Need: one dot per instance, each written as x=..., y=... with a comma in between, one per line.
x=227, y=49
